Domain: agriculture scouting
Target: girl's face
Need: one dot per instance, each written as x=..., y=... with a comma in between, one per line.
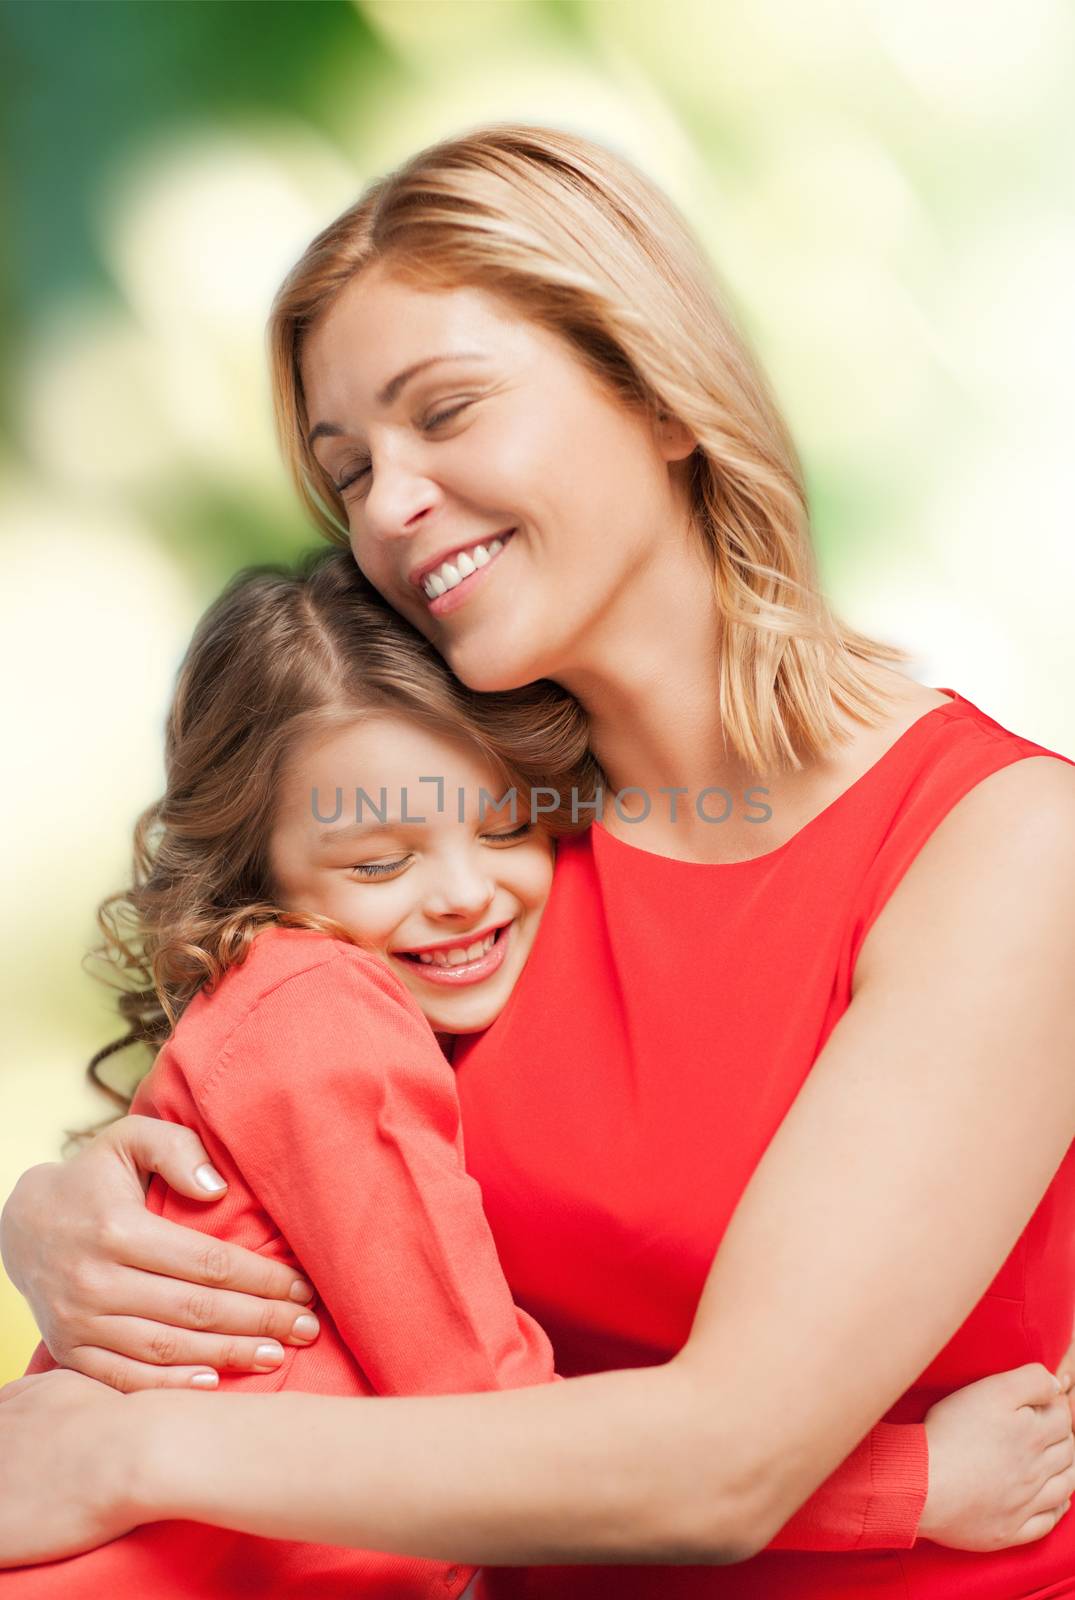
x=451, y=903
x=448, y=422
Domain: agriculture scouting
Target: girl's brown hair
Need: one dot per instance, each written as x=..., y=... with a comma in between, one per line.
x=580, y=242
x=281, y=653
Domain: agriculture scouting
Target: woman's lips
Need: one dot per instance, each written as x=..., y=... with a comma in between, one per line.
x=468, y=971
x=445, y=604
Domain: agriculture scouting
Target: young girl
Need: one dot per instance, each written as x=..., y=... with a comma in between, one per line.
x=296, y=932
x=338, y=868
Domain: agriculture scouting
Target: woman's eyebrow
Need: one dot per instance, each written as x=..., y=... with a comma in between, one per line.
x=393, y=388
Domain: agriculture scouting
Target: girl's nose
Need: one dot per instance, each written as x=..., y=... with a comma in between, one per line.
x=462, y=893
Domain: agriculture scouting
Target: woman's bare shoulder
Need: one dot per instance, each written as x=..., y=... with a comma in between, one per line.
x=1004, y=855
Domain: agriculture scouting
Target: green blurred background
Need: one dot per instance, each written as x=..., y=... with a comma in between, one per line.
x=884, y=185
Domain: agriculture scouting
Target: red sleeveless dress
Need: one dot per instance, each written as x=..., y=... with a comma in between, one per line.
x=615, y=1111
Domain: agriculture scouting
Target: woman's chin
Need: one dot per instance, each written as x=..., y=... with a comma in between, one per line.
x=488, y=670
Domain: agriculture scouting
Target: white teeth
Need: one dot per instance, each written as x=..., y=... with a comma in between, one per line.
x=456, y=957
x=451, y=573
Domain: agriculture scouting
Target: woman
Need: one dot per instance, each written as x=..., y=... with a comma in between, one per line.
x=515, y=339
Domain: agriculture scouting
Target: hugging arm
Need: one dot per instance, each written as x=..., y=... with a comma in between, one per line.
x=962, y=1006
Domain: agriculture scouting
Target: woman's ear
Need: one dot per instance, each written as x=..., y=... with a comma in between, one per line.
x=674, y=439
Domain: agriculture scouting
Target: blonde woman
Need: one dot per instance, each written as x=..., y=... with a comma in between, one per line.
x=800, y=993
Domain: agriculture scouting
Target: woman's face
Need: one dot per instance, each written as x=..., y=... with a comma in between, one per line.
x=426, y=882
x=453, y=425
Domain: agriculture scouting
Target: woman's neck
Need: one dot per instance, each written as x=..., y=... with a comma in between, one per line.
x=648, y=676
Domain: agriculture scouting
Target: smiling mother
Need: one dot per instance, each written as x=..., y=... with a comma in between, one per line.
x=830, y=1034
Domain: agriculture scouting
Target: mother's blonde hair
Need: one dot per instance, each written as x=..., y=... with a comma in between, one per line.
x=583, y=244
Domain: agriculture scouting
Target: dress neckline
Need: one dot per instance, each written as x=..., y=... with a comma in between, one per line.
x=955, y=703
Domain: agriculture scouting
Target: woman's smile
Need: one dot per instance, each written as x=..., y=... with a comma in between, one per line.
x=451, y=582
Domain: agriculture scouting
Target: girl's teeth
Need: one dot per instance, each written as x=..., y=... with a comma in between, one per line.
x=435, y=585
x=465, y=565
x=457, y=957
x=451, y=575
x=481, y=555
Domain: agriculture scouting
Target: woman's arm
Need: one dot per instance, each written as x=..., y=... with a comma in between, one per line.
x=113, y=1287
x=360, y=1164
x=920, y=1145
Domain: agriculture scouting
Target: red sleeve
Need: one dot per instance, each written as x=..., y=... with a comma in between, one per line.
x=338, y=1107
x=874, y=1499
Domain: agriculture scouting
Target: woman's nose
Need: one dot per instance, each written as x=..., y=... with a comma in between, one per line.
x=399, y=499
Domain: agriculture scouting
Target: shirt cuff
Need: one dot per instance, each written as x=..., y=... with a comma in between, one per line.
x=899, y=1475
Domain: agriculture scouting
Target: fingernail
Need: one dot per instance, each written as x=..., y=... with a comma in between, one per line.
x=306, y=1327
x=209, y=1178
x=301, y=1291
x=204, y=1380
x=269, y=1355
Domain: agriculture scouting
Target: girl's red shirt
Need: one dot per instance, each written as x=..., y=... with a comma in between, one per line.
x=322, y=1096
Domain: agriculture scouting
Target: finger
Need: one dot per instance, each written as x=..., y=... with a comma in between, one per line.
x=157, y=1345
x=1057, y=1458
x=160, y=1246
x=1037, y=1527
x=176, y=1153
x=168, y=1305
x=1067, y=1364
x=1054, y=1421
x=1053, y=1493
x=1033, y=1385
x=18, y=1386
x=120, y=1372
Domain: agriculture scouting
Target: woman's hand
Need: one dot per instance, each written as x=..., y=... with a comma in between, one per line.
x=132, y=1299
x=1066, y=1373
x=1001, y=1460
x=62, y=1477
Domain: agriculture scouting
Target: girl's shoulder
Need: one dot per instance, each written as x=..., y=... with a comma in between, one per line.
x=305, y=1027
x=288, y=969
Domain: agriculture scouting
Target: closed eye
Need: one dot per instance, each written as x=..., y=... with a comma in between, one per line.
x=377, y=869
x=510, y=838
x=445, y=416
x=359, y=472
x=435, y=421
